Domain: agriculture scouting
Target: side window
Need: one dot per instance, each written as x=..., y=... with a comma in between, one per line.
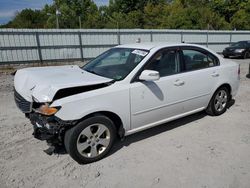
x=194, y=60
x=166, y=62
x=248, y=44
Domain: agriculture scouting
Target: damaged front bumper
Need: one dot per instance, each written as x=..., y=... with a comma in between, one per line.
x=49, y=128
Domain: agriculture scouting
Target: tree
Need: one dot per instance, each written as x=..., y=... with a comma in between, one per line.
x=126, y=6
x=241, y=20
x=154, y=15
x=151, y=14
x=28, y=18
x=227, y=8
x=71, y=10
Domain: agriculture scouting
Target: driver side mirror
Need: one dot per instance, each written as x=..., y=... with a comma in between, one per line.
x=149, y=75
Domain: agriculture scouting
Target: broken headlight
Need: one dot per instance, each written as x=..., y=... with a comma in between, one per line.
x=46, y=110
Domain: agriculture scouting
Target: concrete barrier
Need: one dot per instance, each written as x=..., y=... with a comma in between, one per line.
x=248, y=75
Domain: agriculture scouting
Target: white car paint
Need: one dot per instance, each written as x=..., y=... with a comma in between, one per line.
x=42, y=83
x=139, y=105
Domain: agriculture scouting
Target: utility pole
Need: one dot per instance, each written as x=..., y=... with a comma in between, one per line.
x=80, y=23
x=57, y=18
x=117, y=25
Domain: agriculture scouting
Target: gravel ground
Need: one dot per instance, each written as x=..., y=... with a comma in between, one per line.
x=195, y=151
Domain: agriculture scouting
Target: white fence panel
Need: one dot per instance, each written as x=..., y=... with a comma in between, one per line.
x=240, y=36
x=166, y=37
x=89, y=53
x=133, y=37
x=194, y=37
x=29, y=45
x=95, y=39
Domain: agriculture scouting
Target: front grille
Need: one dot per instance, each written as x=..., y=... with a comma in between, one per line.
x=22, y=104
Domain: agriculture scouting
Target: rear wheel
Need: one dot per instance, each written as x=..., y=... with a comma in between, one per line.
x=246, y=55
x=90, y=140
x=219, y=102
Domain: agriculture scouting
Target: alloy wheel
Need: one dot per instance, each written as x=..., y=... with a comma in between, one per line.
x=93, y=140
x=220, y=101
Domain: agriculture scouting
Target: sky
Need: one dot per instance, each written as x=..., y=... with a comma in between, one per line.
x=8, y=8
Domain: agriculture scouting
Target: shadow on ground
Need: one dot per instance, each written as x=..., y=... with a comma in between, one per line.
x=154, y=131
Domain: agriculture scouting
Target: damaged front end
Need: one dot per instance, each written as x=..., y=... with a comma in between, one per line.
x=36, y=89
x=51, y=129
x=46, y=126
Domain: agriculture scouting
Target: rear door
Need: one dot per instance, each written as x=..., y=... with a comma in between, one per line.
x=200, y=72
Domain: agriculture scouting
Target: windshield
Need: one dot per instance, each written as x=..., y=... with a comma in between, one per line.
x=239, y=44
x=116, y=63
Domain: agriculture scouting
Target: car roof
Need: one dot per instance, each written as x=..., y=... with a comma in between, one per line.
x=151, y=45
x=243, y=41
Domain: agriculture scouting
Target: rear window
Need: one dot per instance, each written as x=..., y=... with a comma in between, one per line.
x=194, y=60
x=240, y=44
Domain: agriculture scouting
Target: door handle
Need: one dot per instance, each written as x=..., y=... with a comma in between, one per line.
x=215, y=74
x=179, y=83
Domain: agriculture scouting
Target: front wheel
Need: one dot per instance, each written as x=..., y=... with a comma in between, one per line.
x=90, y=140
x=219, y=102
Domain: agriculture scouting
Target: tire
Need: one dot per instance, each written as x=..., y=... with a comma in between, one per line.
x=219, y=102
x=246, y=55
x=91, y=139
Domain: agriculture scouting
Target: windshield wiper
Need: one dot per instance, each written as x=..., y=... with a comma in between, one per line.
x=93, y=72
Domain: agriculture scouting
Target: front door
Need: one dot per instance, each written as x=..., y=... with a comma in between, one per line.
x=155, y=101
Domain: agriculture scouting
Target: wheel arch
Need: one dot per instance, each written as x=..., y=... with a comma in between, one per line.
x=209, y=107
x=228, y=86
x=113, y=117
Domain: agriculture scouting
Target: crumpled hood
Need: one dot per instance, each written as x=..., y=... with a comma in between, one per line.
x=42, y=83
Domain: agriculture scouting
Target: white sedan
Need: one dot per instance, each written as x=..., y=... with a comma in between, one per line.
x=126, y=89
